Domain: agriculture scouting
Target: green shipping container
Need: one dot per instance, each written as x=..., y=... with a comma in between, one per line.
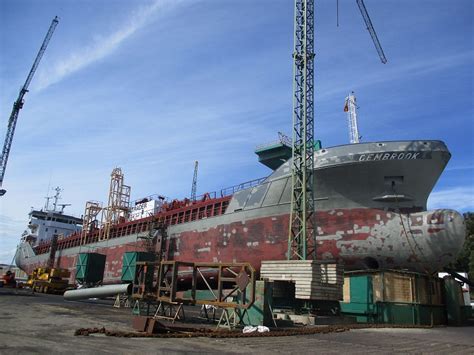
x=129, y=265
x=361, y=302
x=90, y=268
x=410, y=313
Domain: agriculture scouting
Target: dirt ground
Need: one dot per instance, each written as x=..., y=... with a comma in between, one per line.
x=46, y=324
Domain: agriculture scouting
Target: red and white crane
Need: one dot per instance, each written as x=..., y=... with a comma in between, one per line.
x=350, y=107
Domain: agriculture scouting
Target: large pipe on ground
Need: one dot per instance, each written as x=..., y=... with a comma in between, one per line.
x=97, y=292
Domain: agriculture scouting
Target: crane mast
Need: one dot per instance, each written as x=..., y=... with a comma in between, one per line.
x=18, y=104
x=350, y=107
x=301, y=239
x=302, y=236
x=371, y=30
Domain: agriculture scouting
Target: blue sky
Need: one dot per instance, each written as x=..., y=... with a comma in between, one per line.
x=152, y=86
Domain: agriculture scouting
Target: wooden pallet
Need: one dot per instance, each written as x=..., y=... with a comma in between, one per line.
x=313, y=280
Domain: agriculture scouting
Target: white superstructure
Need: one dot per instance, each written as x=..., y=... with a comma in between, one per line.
x=45, y=223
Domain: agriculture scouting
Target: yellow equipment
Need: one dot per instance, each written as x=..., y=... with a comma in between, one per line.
x=49, y=280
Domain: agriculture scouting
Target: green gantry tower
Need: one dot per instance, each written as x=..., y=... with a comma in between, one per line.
x=302, y=237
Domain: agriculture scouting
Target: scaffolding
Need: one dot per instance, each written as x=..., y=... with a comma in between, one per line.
x=118, y=207
x=90, y=220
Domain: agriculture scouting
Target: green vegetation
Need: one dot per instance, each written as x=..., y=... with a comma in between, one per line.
x=469, y=245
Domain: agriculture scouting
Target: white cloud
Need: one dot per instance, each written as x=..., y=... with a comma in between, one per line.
x=398, y=73
x=460, y=167
x=457, y=198
x=103, y=45
x=8, y=225
x=6, y=256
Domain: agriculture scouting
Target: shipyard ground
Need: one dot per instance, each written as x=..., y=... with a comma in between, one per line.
x=46, y=324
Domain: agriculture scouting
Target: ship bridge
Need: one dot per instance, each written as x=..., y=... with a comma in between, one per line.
x=275, y=153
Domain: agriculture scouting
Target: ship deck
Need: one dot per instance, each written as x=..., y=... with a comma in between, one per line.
x=175, y=215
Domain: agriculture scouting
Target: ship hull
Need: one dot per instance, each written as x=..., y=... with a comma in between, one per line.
x=370, y=202
x=360, y=238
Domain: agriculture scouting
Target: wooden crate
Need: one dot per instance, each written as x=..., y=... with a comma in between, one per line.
x=396, y=286
x=346, y=290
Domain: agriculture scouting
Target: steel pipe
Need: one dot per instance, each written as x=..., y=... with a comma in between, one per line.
x=97, y=292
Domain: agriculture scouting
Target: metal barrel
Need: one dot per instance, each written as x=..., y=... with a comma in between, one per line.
x=97, y=292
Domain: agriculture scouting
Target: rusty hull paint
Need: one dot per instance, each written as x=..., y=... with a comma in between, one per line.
x=423, y=241
x=351, y=236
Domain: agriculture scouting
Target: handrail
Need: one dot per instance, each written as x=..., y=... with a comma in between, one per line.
x=242, y=186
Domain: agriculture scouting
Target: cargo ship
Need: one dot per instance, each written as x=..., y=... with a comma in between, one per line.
x=370, y=213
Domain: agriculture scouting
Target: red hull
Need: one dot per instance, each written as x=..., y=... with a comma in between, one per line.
x=358, y=237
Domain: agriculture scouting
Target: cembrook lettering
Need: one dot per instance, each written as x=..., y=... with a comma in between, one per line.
x=390, y=156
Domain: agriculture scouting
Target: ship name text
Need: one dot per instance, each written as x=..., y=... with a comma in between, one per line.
x=391, y=156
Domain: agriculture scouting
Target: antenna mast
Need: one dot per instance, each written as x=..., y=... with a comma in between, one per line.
x=56, y=197
x=350, y=107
